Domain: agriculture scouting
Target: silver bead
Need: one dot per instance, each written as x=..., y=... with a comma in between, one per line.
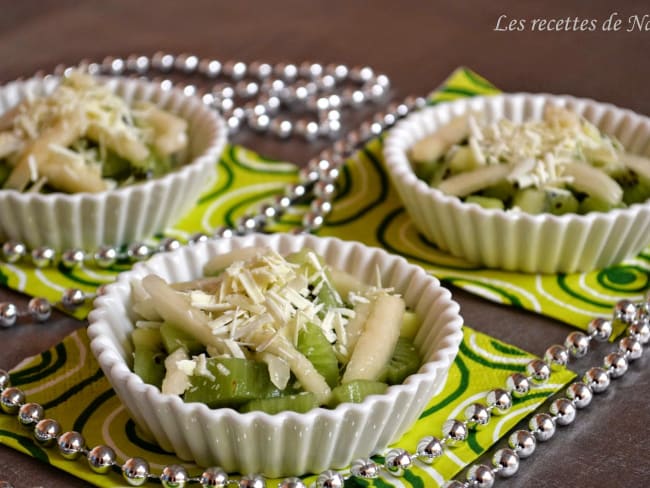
x=223, y=233
x=580, y=394
x=252, y=481
x=72, y=258
x=234, y=124
x=480, y=476
x=189, y=90
x=281, y=203
x=308, y=175
x=597, y=379
x=518, y=385
x=5, y=379
x=542, y=426
x=40, y=309
x=282, y=128
x=46, y=431
x=616, y=364
x=13, y=251
x=625, y=311
x=247, y=89
x=631, y=347
x=397, y=461
x=137, y=64
x=8, y=314
x=556, y=356
x=113, y=66
x=383, y=80
x=138, y=251
x=326, y=82
x=259, y=70
x=292, y=482
x=538, y=371
x=429, y=448
x=210, y=67
x=310, y=70
x=71, y=445
x=577, y=343
x=296, y=191
x=169, y=244
x=477, y=416
x=101, y=458
x=187, y=63
x=105, y=256
x=640, y=330
x=135, y=471
x=214, y=478
x=234, y=69
x=259, y=123
x=563, y=411
x=174, y=476
x=43, y=256
x=248, y=223
x=324, y=190
x=330, y=479
x=506, y=462
x=600, y=329
x=353, y=97
x=73, y=298
x=375, y=91
x=499, y=401
x=29, y=414
x=453, y=432
x=197, y=238
x=523, y=443
x=365, y=468
x=162, y=61
x=338, y=71
x=320, y=206
x=361, y=73
x=402, y=110
x=307, y=129
x=312, y=220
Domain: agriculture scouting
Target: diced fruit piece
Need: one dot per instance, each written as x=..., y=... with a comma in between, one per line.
x=405, y=361
x=593, y=204
x=464, y=184
x=504, y=191
x=173, y=338
x=313, y=344
x=301, y=403
x=147, y=339
x=593, y=182
x=639, y=164
x=376, y=343
x=234, y=382
x=560, y=201
x=356, y=391
x=441, y=171
x=530, y=200
x=462, y=159
x=410, y=325
x=485, y=202
x=148, y=356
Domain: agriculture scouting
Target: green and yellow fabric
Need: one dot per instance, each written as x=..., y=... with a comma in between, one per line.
x=69, y=383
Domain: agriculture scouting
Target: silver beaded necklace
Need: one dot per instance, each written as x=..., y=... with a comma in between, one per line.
x=307, y=84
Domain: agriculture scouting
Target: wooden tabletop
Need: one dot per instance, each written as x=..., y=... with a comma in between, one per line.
x=417, y=44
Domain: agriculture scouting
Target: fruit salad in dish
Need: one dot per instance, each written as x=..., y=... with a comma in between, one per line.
x=262, y=331
x=560, y=164
x=84, y=138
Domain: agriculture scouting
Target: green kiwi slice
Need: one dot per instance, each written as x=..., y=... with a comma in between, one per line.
x=355, y=391
x=405, y=361
x=313, y=344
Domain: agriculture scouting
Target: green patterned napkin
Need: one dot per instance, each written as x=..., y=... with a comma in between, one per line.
x=67, y=381
x=70, y=385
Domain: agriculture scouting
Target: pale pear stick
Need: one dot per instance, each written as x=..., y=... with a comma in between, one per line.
x=432, y=147
x=119, y=142
x=63, y=133
x=344, y=283
x=376, y=344
x=208, y=285
x=354, y=328
x=170, y=131
x=176, y=309
x=639, y=164
x=463, y=184
x=594, y=182
x=72, y=174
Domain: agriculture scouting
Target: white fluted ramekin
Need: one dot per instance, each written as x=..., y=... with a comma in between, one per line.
x=519, y=241
x=288, y=443
x=124, y=215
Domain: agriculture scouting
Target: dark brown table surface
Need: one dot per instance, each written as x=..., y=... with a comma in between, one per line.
x=417, y=44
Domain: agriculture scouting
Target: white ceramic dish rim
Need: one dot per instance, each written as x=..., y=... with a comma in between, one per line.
x=110, y=360
x=399, y=166
x=210, y=153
